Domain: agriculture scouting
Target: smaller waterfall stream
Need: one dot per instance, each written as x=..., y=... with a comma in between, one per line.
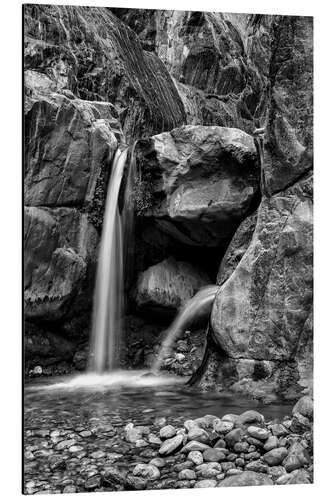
x=108, y=296
x=200, y=304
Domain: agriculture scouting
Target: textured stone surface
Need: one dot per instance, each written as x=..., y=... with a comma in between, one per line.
x=59, y=245
x=247, y=478
x=203, y=182
x=289, y=136
x=261, y=311
x=89, y=52
x=168, y=285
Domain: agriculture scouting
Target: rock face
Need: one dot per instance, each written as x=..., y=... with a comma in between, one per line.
x=168, y=285
x=264, y=310
x=88, y=51
x=237, y=248
x=204, y=181
x=219, y=61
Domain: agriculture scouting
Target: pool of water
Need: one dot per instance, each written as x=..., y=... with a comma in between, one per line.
x=129, y=396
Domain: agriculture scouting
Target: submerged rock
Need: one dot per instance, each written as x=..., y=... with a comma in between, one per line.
x=247, y=478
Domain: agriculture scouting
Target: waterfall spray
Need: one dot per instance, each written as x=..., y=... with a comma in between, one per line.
x=108, y=296
x=199, y=305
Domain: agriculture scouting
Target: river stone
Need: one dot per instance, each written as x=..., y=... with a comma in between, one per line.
x=206, y=483
x=208, y=470
x=272, y=442
x=247, y=478
x=153, y=439
x=135, y=483
x=276, y=471
x=278, y=430
x=275, y=456
x=233, y=472
x=299, y=423
x=222, y=426
x=113, y=476
x=213, y=455
x=231, y=417
x=300, y=476
x=198, y=434
x=241, y=447
x=167, y=432
x=196, y=457
x=183, y=465
x=93, y=482
x=258, y=432
x=194, y=446
x=158, y=462
x=187, y=474
x=205, y=422
x=220, y=443
x=57, y=462
x=250, y=417
x=257, y=466
x=171, y=445
x=190, y=424
x=233, y=437
x=304, y=406
x=147, y=471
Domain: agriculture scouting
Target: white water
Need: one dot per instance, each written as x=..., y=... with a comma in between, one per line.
x=114, y=380
x=108, y=296
x=199, y=305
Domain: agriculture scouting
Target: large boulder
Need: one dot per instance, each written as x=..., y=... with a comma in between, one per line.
x=90, y=52
x=203, y=182
x=168, y=285
x=262, y=311
x=68, y=143
x=59, y=246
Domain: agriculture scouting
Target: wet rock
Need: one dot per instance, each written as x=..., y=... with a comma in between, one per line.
x=276, y=471
x=196, y=457
x=304, y=406
x=278, y=430
x=198, y=434
x=233, y=437
x=135, y=483
x=275, y=456
x=272, y=442
x=57, y=462
x=241, y=447
x=158, y=462
x=153, y=439
x=205, y=422
x=170, y=445
x=206, y=483
x=113, y=477
x=194, y=446
x=220, y=443
x=208, y=470
x=187, y=474
x=299, y=423
x=292, y=462
x=96, y=455
x=222, y=426
x=258, y=433
x=147, y=471
x=213, y=455
x=167, y=432
x=250, y=417
x=257, y=466
x=183, y=465
x=300, y=476
x=247, y=478
x=69, y=489
x=67, y=443
x=92, y=483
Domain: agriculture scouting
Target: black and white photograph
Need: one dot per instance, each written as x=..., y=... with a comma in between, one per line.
x=167, y=249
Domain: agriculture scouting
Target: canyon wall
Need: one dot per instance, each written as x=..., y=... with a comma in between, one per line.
x=221, y=107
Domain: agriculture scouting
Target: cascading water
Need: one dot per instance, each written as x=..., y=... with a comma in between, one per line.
x=199, y=305
x=108, y=296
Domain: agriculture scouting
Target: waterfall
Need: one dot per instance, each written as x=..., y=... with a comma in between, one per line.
x=108, y=295
x=199, y=305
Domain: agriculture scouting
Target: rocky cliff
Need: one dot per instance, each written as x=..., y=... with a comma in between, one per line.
x=221, y=106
